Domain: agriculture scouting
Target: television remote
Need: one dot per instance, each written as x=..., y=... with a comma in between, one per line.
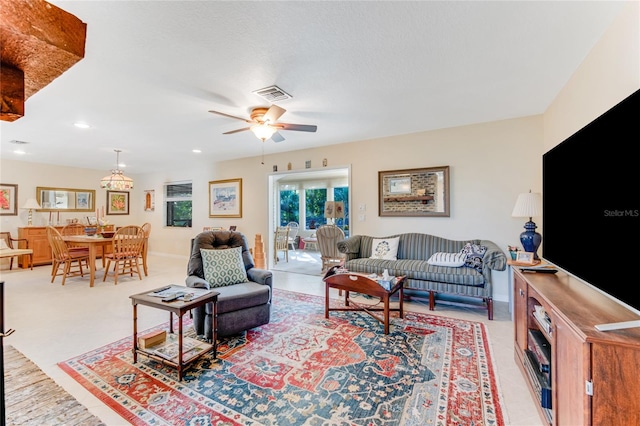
x=170, y=298
x=540, y=270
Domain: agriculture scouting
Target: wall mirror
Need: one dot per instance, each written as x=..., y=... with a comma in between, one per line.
x=65, y=199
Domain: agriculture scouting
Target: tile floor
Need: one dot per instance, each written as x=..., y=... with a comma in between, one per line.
x=53, y=323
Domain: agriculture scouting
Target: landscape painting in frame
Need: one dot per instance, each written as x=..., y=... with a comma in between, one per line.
x=225, y=198
x=8, y=199
x=117, y=202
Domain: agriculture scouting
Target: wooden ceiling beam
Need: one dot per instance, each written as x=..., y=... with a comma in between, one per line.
x=39, y=40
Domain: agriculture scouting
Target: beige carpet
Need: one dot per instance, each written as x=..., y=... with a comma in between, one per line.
x=32, y=398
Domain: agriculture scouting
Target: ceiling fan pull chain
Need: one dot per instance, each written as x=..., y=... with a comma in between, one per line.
x=262, y=153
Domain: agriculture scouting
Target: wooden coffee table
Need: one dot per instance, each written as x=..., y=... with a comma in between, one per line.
x=361, y=283
x=178, y=307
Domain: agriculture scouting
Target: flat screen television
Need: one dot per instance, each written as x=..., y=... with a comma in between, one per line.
x=591, y=205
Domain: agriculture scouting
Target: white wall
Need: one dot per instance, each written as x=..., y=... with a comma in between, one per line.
x=490, y=164
x=610, y=73
x=28, y=176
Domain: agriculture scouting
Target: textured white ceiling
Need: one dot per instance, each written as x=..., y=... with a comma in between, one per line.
x=358, y=70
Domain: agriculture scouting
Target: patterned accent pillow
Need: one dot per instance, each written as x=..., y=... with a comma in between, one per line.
x=223, y=267
x=447, y=259
x=474, y=253
x=385, y=248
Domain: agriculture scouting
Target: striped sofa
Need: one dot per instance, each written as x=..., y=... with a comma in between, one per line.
x=414, y=249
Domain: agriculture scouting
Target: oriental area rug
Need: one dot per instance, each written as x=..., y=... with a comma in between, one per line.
x=303, y=369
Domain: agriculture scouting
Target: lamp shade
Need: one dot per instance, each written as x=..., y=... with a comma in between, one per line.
x=334, y=209
x=329, y=209
x=263, y=131
x=31, y=203
x=117, y=180
x=528, y=204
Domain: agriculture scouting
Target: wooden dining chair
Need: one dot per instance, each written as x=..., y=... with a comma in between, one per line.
x=128, y=242
x=69, y=261
x=74, y=229
x=146, y=228
x=281, y=243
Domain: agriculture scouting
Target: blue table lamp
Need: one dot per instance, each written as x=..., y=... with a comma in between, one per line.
x=529, y=205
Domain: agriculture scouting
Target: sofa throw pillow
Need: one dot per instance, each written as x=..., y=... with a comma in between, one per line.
x=447, y=259
x=223, y=267
x=474, y=253
x=385, y=248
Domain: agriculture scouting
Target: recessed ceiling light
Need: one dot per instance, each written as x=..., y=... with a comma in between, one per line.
x=19, y=149
x=81, y=125
x=197, y=151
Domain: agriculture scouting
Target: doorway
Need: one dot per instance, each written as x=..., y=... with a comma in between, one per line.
x=302, y=261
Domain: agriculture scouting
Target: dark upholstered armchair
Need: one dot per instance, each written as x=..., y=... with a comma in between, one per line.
x=240, y=306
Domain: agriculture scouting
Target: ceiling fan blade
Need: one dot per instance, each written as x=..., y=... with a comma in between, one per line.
x=236, y=131
x=273, y=113
x=299, y=127
x=231, y=116
x=277, y=137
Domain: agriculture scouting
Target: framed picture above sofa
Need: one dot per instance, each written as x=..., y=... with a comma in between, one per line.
x=414, y=192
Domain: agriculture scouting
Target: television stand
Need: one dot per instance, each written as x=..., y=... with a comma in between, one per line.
x=617, y=325
x=577, y=374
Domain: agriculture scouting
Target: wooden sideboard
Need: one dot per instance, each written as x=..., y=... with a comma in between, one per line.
x=38, y=242
x=593, y=375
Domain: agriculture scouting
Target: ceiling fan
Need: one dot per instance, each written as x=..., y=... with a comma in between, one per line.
x=264, y=123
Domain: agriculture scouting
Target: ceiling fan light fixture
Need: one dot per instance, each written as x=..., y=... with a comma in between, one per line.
x=263, y=131
x=116, y=181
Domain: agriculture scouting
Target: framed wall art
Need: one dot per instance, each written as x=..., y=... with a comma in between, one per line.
x=225, y=198
x=117, y=202
x=84, y=200
x=149, y=200
x=414, y=192
x=8, y=199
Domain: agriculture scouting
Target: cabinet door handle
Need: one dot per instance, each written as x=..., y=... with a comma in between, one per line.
x=521, y=291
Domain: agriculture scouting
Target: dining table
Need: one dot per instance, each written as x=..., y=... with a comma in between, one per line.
x=93, y=243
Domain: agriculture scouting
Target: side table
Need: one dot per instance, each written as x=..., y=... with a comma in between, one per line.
x=178, y=307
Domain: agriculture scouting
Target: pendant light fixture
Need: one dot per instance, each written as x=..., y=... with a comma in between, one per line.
x=117, y=180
